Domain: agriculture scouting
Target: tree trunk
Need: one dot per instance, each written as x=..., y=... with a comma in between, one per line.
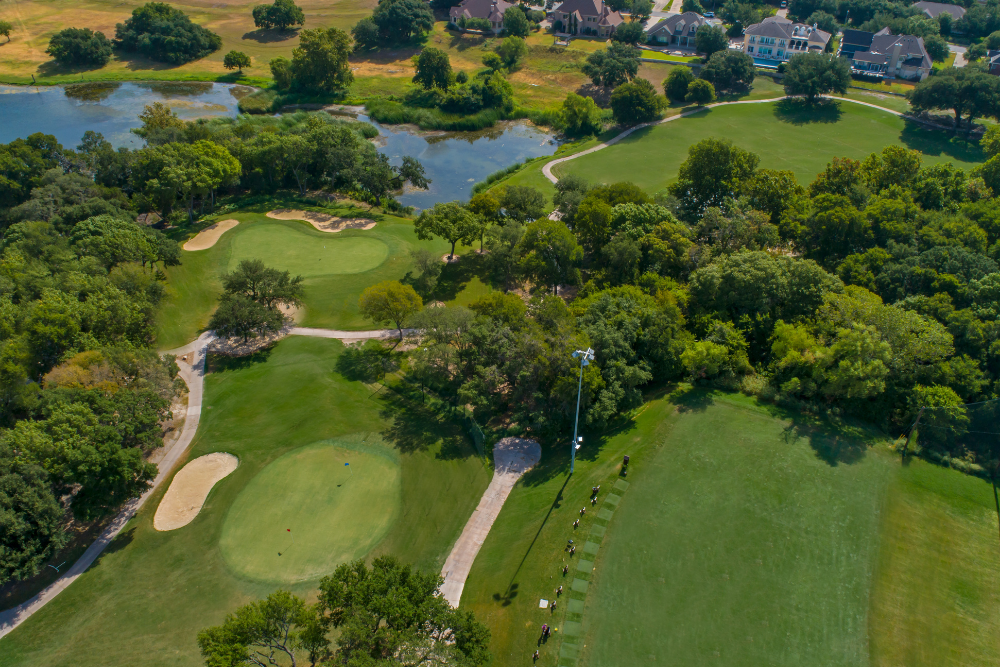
x=958, y=118
x=191, y=209
x=452, y=255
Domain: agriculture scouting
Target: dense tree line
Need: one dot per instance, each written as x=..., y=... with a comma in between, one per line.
x=82, y=397
x=869, y=293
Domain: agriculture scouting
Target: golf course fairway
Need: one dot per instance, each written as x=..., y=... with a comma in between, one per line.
x=310, y=510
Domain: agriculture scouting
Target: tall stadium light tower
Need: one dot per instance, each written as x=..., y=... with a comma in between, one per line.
x=585, y=358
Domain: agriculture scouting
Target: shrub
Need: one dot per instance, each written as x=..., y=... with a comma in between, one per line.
x=580, y=115
x=700, y=92
x=80, y=46
x=635, y=102
x=236, y=60
x=675, y=86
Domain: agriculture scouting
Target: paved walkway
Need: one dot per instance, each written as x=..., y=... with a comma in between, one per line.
x=959, y=52
x=191, y=361
x=512, y=457
x=547, y=169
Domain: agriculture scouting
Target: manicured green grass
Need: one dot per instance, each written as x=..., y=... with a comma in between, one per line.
x=144, y=601
x=937, y=585
x=294, y=249
x=657, y=55
x=739, y=543
x=785, y=136
x=312, y=509
x=336, y=267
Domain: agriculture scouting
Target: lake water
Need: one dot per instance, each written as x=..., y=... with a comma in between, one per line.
x=454, y=161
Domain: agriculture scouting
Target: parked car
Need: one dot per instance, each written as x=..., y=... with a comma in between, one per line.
x=784, y=4
x=709, y=15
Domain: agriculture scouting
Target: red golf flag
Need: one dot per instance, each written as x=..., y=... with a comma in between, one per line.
x=288, y=529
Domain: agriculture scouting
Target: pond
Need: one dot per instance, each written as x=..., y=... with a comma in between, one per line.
x=454, y=161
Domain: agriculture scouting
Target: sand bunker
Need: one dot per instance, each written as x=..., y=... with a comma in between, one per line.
x=207, y=237
x=189, y=489
x=322, y=221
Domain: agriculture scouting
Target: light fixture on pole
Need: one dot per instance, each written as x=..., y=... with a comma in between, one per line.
x=585, y=358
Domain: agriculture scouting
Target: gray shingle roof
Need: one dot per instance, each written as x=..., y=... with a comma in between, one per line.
x=679, y=24
x=479, y=9
x=932, y=9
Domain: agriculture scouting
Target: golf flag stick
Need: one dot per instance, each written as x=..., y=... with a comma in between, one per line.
x=349, y=469
x=290, y=534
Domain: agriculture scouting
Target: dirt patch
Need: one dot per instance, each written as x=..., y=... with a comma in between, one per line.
x=189, y=489
x=322, y=221
x=208, y=237
x=450, y=259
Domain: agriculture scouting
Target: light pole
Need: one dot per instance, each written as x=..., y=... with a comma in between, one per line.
x=585, y=359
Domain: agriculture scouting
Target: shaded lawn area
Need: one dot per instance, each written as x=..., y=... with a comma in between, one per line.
x=784, y=135
x=148, y=596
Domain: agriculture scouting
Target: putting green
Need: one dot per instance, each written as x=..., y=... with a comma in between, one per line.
x=292, y=247
x=335, y=513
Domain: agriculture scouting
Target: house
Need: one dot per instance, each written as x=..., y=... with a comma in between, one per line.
x=585, y=17
x=678, y=30
x=852, y=41
x=993, y=62
x=932, y=9
x=776, y=39
x=891, y=56
x=491, y=10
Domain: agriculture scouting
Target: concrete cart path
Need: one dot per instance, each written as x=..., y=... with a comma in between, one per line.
x=512, y=457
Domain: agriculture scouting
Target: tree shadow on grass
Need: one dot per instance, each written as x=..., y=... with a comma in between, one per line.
x=121, y=540
x=934, y=142
x=800, y=112
x=262, y=36
x=455, y=276
x=414, y=424
x=221, y=363
x=507, y=596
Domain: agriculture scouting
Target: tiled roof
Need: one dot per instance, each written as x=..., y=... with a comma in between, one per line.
x=479, y=9
x=932, y=9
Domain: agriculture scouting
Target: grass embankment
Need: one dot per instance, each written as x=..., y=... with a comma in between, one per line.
x=146, y=598
x=748, y=536
x=336, y=268
x=784, y=135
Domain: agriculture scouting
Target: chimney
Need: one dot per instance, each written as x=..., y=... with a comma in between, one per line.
x=894, y=59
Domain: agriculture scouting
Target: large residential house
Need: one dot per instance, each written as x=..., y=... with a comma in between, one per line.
x=932, y=9
x=776, y=39
x=585, y=17
x=678, y=30
x=886, y=56
x=491, y=10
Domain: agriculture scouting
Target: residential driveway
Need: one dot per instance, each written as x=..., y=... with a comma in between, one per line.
x=783, y=13
x=959, y=52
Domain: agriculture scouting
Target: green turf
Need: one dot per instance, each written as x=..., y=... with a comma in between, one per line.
x=144, y=601
x=307, y=512
x=293, y=249
x=746, y=544
x=335, y=275
x=784, y=136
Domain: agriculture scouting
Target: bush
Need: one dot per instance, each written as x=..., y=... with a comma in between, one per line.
x=80, y=46
x=236, y=60
x=629, y=33
x=700, y=92
x=516, y=23
x=160, y=32
x=580, y=115
x=675, y=86
x=511, y=50
x=635, y=102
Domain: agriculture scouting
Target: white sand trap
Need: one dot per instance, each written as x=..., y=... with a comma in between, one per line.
x=189, y=489
x=321, y=221
x=207, y=237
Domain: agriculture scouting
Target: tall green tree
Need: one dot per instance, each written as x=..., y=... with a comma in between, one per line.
x=710, y=39
x=391, y=614
x=399, y=21
x=449, y=220
x=516, y=23
x=282, y=14
x=635, y=102
x=271, y=631
x=236, y=60
x=433, y=69
x=5, y=28
x=550, y=254
x=727, y=69
x=815, y=74
x=320, y=61
x=963, y=90
x=617, y=64
x=161, y=32
x=389, y=302
x=675, y=86
x=713, y=171
x=80, y=46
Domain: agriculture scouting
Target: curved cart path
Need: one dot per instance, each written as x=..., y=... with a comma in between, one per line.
x=512, y=457
x=191, y=361
x=547, y=169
